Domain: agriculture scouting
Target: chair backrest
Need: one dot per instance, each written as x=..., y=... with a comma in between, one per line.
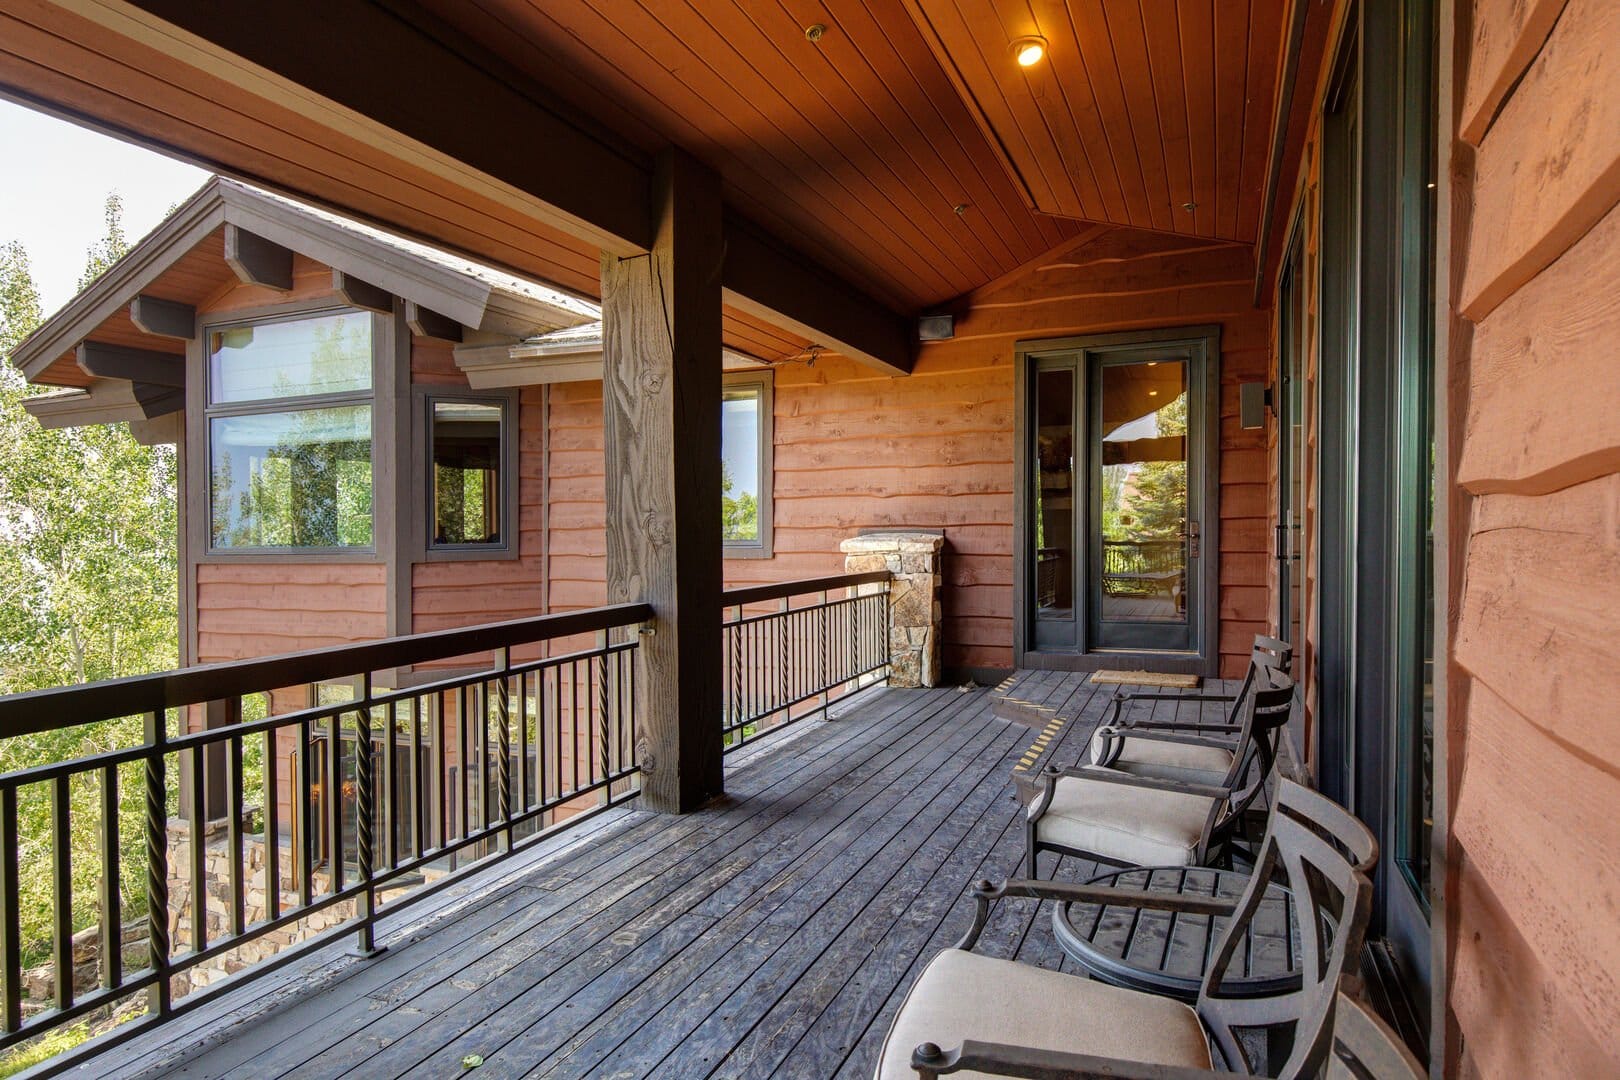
x=1263, y=709
x=1364, y=1046
x=1325, y=855
x=1268, y=655
x=1272, y=652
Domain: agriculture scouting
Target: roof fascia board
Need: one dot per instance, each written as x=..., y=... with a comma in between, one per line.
x=456, y=295
x=113, y=290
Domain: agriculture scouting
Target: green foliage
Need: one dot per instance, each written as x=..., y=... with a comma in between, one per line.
x=88, y=523
x=111, y=247
x=44, y=1048
x=1148, y=501
x=739, y=514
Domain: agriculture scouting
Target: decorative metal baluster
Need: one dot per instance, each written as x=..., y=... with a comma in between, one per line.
x=334, y=801
x=197, y=829
x=233, y=833
x=62, y=890
x=157, y=865
x=602, y=718
x=365, y=939
x=110, y=899
x=503, y=747
x=303, y=827
x=389, y=804
x=272, y=828
x=10, y=923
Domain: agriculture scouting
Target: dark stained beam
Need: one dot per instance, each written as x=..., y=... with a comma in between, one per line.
x=476, y=124
x=661, y=417
x=362, y=294
x=763, y=277
x=427, y=323
x=163, y=318
x=103, y=361
x=156, y=401
x=407, y=70
x=257, y=261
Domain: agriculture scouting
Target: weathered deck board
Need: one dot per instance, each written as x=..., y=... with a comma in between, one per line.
x=774, y=933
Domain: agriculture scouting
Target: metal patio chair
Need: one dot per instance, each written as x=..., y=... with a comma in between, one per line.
x=1124, y=819
x=967, y=1011
x=1204, y=761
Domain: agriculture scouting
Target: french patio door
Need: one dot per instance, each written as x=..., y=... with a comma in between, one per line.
x=1117, y=481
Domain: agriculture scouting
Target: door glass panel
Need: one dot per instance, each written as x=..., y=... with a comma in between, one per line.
x=1054, y=494
x=1143, y=492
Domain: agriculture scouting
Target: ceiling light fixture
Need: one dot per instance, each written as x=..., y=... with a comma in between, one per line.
x=814, y=31
x=1028, y=51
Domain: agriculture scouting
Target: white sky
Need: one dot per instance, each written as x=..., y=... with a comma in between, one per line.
x=56, y=181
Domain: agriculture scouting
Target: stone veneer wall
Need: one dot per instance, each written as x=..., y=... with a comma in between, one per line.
x=915, y=614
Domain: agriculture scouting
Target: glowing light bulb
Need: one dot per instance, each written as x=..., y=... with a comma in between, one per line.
x=1028, y=51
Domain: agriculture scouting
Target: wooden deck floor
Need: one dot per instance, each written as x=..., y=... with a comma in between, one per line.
x=773, y=934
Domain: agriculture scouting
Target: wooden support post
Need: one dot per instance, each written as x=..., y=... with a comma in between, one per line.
x=661, y=409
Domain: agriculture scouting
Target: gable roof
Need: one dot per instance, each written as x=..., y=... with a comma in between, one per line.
x=475, y=296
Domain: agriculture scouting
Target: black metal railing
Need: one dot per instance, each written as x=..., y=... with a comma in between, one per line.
x=789, y=650
x=367, y=799
x=1143, y=567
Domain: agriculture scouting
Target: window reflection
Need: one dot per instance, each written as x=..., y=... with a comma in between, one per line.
x=466, y=473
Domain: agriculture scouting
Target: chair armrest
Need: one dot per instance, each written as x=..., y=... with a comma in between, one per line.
x=987, y=892
x=1003, y=1059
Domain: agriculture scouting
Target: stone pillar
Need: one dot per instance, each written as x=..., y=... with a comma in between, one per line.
x=914, y=558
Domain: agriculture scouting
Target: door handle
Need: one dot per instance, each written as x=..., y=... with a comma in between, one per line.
x=1192, y=540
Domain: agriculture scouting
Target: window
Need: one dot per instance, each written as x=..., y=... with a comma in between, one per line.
x=745, y=465
x=466, y=455
x=289, y=434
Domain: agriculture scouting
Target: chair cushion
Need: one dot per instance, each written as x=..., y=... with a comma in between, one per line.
x=962, y=995
x=1131, y=825
x=1194, y=764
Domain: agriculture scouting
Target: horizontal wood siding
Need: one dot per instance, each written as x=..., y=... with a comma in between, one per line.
x=261, y=609
x=1534, y=750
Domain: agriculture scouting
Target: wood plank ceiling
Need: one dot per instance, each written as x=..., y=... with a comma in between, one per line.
x=903, y=148
x=861, y=145
x=1144, y=112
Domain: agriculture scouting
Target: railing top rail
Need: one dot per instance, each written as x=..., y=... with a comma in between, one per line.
x=755, y=594
x=46, y=710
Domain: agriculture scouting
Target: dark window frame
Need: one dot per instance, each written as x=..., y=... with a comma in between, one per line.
x=764, y=380
x=200, y=498
x=424, y=548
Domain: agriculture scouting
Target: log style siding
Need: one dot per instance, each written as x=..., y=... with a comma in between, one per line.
x=1533, y=745
x=253, y=609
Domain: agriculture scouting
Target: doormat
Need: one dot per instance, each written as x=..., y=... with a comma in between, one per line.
x=1146, y=678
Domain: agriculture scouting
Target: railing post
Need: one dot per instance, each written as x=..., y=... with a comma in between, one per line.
x=157, y=863
x=365, y=799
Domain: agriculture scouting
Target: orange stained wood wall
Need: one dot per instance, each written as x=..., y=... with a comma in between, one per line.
x=261, y=608
x=853, y=450
x=1534, y=726
x=856, y=450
